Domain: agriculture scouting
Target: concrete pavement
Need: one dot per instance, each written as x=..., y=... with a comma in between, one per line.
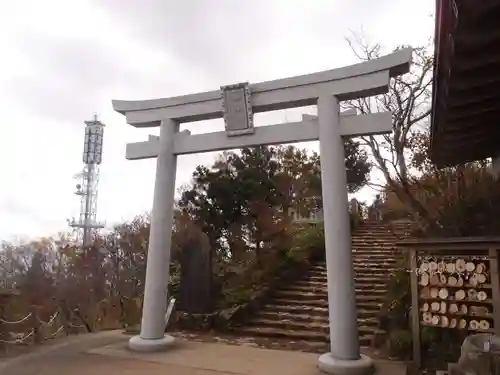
x=105, y=353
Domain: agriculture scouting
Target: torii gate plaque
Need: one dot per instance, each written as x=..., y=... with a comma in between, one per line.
x=236, y=104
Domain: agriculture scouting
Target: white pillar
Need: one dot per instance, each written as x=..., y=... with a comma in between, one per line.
x=344, y=356
x=152, y=336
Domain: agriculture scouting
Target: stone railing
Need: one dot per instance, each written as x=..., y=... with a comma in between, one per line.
x=316, y=216
x=454, y=286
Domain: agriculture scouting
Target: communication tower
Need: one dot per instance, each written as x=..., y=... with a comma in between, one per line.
x=86, y=188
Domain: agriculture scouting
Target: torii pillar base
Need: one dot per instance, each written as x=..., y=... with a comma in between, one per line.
x=362, y=366
x=140, y=345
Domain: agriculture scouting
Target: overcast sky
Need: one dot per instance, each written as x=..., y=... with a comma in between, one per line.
x=64, y=60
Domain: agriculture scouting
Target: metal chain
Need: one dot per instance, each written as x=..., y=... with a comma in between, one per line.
x=51, y=320
x=32, y=332
x=75, y=325
x=18, y=322
x=18, y=340
x=56, y=332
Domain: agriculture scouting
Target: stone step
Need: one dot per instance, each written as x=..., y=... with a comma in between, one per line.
x=360, y=267
x=380, y=285
x=313, y=310
x=380, y=277
x=360, y=264
x=296, y=316
x=376, y=256
x=298, y=309
x=359, y=275
x=364, y=339
x=372, y=232
x=375, y=242
x=391, y=264
x=365, y=272
x=370, y=229
x=379, y=281
x=385, y=238
x=378, y=241
x=370, y=279
x=363, y=265
x=379, y=226
x=292, y=300
x=282, y=333
x=363, y=305
x=323, y=290
x=375, y=249
x=366, y=227
x=369, y=269
x=305, y=289
x=362, y=255
x=302, y=326
x=367, y=306
x=370, y=254
x=290, y=325
x=360, y=258
x=365, y=248
x=307, y=318
x=291, y=293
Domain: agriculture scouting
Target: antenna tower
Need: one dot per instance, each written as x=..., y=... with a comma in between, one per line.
x=86, y=188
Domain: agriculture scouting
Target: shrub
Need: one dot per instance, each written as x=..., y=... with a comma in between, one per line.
x=429, y=335
x=462, y=202
x=308, y=242
x=396, y=309
x=399, y=344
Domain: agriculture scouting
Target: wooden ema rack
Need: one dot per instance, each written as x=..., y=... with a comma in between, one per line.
x=454, y=285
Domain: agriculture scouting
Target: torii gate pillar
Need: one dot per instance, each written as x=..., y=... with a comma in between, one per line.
x=344, y=341
x=237, y=105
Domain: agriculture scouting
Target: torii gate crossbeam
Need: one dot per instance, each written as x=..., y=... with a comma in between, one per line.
x=236, y=104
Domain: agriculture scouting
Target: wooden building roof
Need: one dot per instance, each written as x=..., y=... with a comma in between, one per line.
x=465, y=123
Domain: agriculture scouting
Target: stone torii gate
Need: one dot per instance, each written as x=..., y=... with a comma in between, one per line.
x=237, y=103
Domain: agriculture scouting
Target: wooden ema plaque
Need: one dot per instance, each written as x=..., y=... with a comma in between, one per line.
x=454, y=285
x=455, y=293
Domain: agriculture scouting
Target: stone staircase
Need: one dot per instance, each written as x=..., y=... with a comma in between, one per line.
x=299, y=312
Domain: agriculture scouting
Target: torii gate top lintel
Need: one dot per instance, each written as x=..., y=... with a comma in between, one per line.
x=359, y=80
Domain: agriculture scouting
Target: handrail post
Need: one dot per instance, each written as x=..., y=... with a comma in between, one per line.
x=36, y=326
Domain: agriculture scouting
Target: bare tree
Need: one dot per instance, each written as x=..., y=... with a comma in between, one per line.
x=409, y=100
